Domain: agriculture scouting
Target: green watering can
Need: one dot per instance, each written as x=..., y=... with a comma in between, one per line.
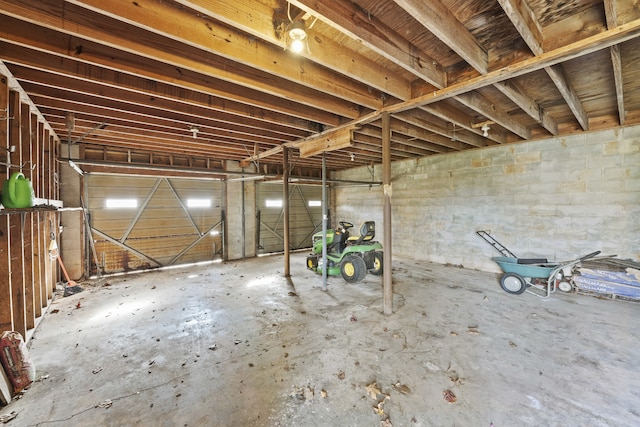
x=17, y=192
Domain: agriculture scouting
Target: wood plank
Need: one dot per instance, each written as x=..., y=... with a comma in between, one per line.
x=27, y=270
x=233, y=49
x=16, y=272
x=258, y=19
x=570, y=96
x=25, y=148
x=327, y=141
x=514, y=92
x=573, y=50
x=6, y=311
x=525, y=22
x=352, y=20
x=435, y=16
x=39, y=254
x=6, y=294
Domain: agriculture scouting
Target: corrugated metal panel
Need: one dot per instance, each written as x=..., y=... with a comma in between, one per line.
x=162, y=230
x=304, y=220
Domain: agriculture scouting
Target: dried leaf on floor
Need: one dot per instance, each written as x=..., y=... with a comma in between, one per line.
x=449, y=396
x=474, y=330
x=512, y=344
x=354, y=318
x=402, y=388
x=453, y=333
x=386, y=423
x=323, y=393
x=373, y=390
x=341, y=375
x=292, y=294
x=95, y=371
x=378, y=409
x=54, y=311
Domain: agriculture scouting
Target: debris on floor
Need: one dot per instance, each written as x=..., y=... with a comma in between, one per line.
x=449, y=396
x=609, y=276
x=105, y=404
x=5, y=418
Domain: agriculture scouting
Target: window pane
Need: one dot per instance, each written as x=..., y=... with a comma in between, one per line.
x=121, y=203
x=274, y=203
x=198, y=203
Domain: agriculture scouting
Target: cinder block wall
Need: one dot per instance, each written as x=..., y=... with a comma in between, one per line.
x=559, y=198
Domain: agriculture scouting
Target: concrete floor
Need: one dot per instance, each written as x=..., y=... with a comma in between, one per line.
x=235, y=344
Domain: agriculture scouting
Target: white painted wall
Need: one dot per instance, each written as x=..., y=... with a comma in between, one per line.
x=558, y=198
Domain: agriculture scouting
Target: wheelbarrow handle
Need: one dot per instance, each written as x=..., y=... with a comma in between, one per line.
x=591, y=255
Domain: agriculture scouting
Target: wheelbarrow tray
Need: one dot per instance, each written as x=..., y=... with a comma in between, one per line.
x=523, y=268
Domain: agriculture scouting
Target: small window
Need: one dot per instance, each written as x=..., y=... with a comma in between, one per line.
x=315, y=203
x=273, y=203
x=198, y=203
x=121, y=203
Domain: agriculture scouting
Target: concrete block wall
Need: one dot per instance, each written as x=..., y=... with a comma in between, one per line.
x=558, y=198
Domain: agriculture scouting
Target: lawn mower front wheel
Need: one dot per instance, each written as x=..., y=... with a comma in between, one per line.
x=377, y=264
x=353, y=268
x=513, y=283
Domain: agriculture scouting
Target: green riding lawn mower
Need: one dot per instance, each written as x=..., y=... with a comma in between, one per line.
x=350, y=256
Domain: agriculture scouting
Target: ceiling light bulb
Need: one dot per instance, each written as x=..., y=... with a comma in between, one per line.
x=297, y=34
x=297, y=45
x=485, y=130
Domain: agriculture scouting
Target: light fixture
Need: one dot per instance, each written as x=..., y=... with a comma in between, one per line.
x=353, y=157
x=75, y=167
x=194, y=131
x=485, y=129
x=11, y=149
x=297, y=35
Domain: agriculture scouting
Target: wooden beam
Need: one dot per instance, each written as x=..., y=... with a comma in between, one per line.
x=326, y=141
x=171, y=62
x=349, y=19
x=479, y=103
x=435, y=16
x=557, y=75
x=459, y=139
x=611, y=13
x=530, y=30
x=257, y=19
x=604, y=40
x=186, y=27
x=525, y=22
x=514, y=92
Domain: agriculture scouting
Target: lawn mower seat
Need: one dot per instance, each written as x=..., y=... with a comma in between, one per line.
x=367, y=233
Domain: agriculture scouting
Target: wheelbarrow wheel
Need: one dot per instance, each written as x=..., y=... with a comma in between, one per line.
x=513, y=283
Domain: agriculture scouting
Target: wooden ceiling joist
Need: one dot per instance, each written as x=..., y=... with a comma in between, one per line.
x=159, y=72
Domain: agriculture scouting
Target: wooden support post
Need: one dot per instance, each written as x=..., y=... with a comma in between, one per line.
x=387, y=287
x=285, y=206
x=6, y=306
x=27, y=269
x=16, y=270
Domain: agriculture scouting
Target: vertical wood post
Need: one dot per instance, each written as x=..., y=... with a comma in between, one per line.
x=387, y=287
x=285, y=206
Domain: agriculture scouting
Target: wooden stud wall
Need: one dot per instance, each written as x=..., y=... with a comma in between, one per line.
x=28, y=273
